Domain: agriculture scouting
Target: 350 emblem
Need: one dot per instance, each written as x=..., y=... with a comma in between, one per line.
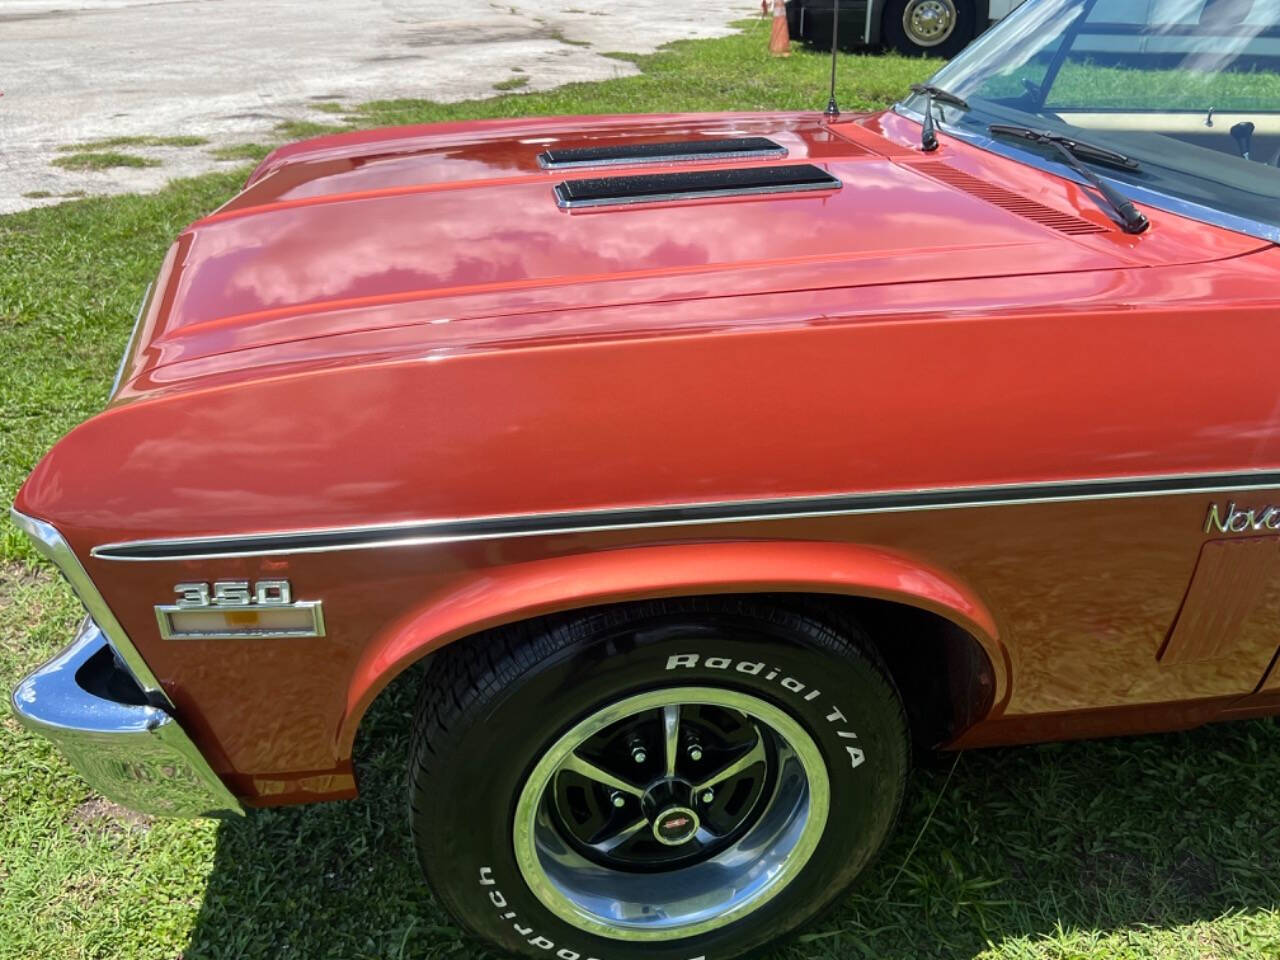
x=240, y=609
x=234, y=593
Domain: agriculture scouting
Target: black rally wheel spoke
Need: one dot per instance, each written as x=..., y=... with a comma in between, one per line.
x=585, y=768
x=623, y=796
x=601, y=808
x=671, y=737
x=616, y=842
x=756, y=754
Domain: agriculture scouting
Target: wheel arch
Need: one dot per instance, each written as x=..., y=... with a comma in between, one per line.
x=832, y=580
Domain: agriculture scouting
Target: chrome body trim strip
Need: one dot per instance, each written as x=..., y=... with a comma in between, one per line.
x=420, y=532
x=133, y=335
x=134, y=754
x=164, y=614
x=51, y=545
x=1142, y=194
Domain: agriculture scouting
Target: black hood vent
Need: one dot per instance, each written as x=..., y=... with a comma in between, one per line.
x=699, y=184
x=675, y=151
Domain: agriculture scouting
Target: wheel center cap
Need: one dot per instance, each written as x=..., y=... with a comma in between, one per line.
x=675, y=825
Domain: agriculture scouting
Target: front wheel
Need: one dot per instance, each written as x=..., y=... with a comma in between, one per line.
x=663, y=780
x=931, y=28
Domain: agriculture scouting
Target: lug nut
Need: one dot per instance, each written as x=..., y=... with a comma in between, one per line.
x=708, y=796
x=638, y=754
x=618, y=799
x=695, y=752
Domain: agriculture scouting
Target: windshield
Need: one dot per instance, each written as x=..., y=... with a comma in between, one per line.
x=1189, y=88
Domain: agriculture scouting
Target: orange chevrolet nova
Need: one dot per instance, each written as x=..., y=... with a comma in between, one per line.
x=713, y=463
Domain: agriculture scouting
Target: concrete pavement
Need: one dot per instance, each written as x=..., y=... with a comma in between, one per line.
x=230, y=70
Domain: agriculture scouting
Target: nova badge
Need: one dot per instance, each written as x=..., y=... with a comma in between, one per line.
x=238, y=609
x=1235, y=520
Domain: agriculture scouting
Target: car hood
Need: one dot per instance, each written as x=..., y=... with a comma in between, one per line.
x=450, y=238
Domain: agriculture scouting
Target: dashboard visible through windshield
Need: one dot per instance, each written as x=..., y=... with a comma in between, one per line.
x=1188, y=88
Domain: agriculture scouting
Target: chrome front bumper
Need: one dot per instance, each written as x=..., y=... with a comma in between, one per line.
x=130, y=751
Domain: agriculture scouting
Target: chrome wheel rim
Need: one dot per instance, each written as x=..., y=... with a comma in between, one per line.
x=671, y=813
x=928, y=23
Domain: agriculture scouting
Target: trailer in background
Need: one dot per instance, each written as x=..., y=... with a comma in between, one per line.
x=937, y=28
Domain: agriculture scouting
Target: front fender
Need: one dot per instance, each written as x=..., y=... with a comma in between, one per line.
x=507, y=594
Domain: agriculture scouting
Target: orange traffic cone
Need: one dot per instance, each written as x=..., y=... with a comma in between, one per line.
x=780, y=36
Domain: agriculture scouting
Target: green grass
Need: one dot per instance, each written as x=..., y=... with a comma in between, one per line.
x=1097, y=87
x=241, y=151
x=305, y=129
x=104, y=160
x=511, y=83
x=109, y=143
x=1158, y=847
x=1087, y=86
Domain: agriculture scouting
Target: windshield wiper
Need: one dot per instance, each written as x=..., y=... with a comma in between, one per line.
x=1081, y=149
x=942, y=96
x=1073, y=152
x=931, y=93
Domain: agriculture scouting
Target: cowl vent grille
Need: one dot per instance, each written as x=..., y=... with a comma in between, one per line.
x=1008, y=200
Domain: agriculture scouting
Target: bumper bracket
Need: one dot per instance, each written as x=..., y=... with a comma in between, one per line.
x=131, y=752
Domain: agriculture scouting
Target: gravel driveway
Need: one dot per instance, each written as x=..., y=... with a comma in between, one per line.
x=230, y=70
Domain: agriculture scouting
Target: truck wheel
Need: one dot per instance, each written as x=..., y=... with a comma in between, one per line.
x=931, y=28
x=662, y=780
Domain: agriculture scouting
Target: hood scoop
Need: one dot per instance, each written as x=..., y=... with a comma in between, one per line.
x=1008, y=200
x=699, y=184
x=672, y=151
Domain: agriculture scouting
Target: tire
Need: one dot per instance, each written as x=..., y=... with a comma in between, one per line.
x=810, y=719
x=930, y=28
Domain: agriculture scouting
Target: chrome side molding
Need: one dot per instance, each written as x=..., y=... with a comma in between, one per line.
x=451, y=530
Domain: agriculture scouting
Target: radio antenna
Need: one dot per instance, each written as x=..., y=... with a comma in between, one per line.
x=832, y=110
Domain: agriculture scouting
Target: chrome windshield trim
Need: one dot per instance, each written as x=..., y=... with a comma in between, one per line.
x=425, y=532
x=1145, y=195
x=51, y=545
x=128, y=347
